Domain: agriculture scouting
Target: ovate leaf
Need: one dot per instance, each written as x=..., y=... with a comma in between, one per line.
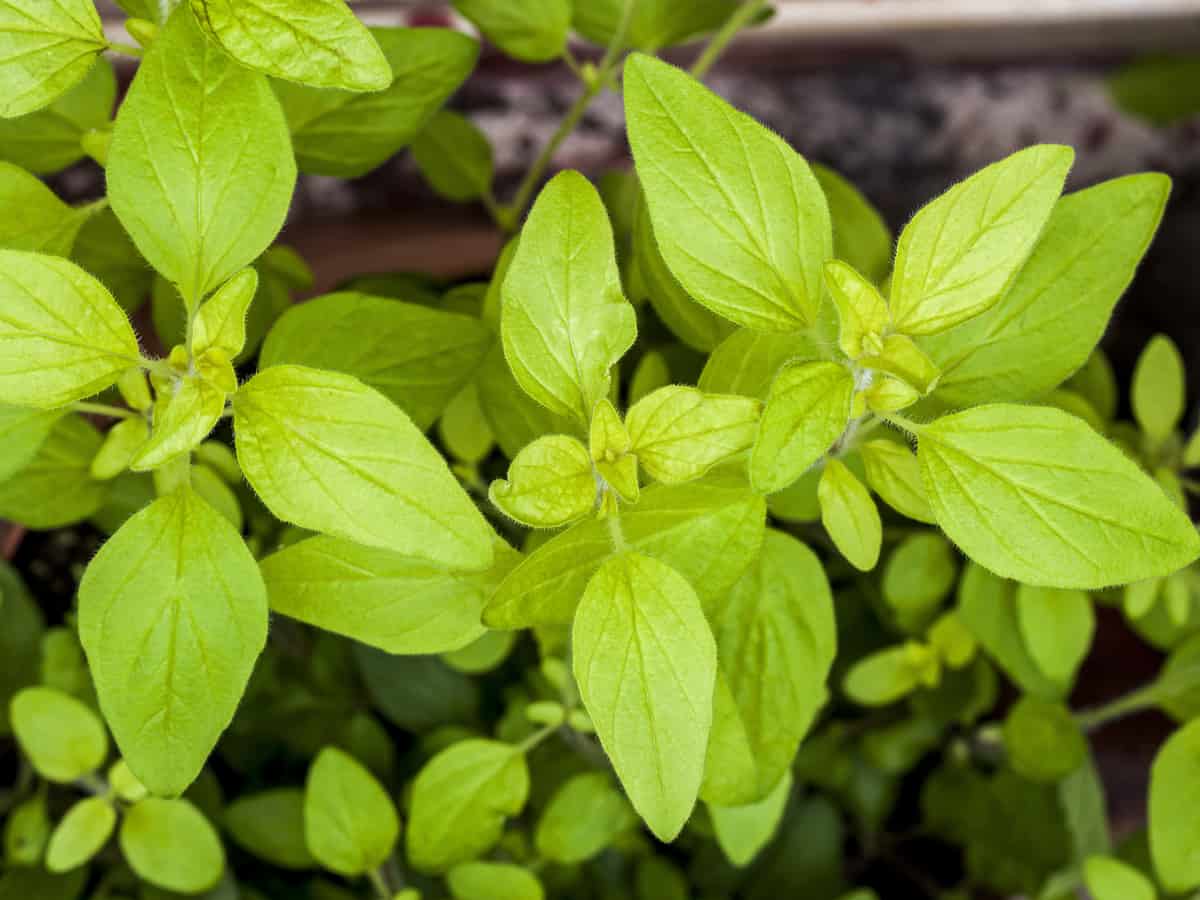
x=550, y=483
x=1108, y=878
x=221, y=322
x=807, y=410
x=894, y=474
x=739, y=217
x=394, y=602
x=200, y=171
x=1175, y=810
x=350, y=822
x=65, y=337
x=173, y=615
x=46, y=224
x=22, y=432
x=1057, y=627
x=170, y=844
x=1042, y=740
x=862, y=311
x=645, y=661
x=654, y=24
x=454, y=156
x=493, y=881
x=317, y=42
x=679, y=433
x=850, y=515
x=183, y=417
x=417, y=357
x=61, y=736
x=564, y=320
x=45, y=49
x=56, y=487
x=747, y=361
x=533, y=31
x=583, y=817
x=1035, y=495
x=371, y=476
x=742, y=831
x=460, y=800
x=1159, y=389
x=960, y=253
x=270, y=825
x=81, y=834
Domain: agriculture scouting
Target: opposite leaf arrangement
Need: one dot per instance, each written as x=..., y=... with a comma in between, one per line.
x=690, y=383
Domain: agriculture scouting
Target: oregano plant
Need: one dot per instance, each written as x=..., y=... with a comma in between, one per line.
x=683, y=554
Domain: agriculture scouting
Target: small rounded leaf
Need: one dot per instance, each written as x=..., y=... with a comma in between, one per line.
x=493, y=881
x=350, y=822
x=1042, y=740
x=81, y=834
x=271, y=826
x=62, y=737
x=1110, y=879
x=170, y=844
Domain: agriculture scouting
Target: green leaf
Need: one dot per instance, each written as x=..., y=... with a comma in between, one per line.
x=1042, y=740
x=347, y=134
x=862, y=311
x=62, y=737
x=173, y=615
x=81, y=834
x=45, y=49
x=454, y=156
x=22, y=433
x=515, y=418
x=1035, y=495
x=46, y=224
x=645, y=662
x=20, y=640
x=1174, y=805
x=460, y=800
x=807, y=409
x=893, y=473
x=960, y=253
x=679, y=433
x=1057, y=627
x=170, y=844
x=583, y=817
x=270, y=825
x=493, y=881
x=464, y=429
x=396, y=603
x=1050, y=320
x=1160, y=89
x=315, y=42
x=200, y=171
x=885, y=676
x=417, y=357
x=850, y=516
x=564, y=321
x=709, y=531
x=740, y=219
x=65, y=337
x=350, y=822
x=56, y=487
x=353, y=443
x=1107, y=878
x=776, y=627
x=532, y=31
x=1158, y=393
x=550, y=483
x=48, y=140
x=860, y=236
x=652, y=372
x=182, y=420
x=919, y=573
x=221, y=322
x=1085, y=810
x=747, y=361
x=654, y=24
x=104, y=249
x=743, y=831
x=899, y=356
x=121, y=444
x=26, y=831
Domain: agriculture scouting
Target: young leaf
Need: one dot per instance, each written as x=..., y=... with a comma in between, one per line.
x=46, y=224
x=45, y=49
x=739, y=217
x=454, y=156
x=742, y=831
x=417, y=357
x=1108, y=878
x=22, y=433
x=396, y=603
x=709, y=531
x=774, y=627
x=1174, y=800
x=316, y=42
x=1042, y=740
x=862, y=311
x=347, y=134
x=850, y=515
x=200, y=170
x=350, y=822
x=899, y=356
x=353, y=443
x=460, y=800
x=104, y=249
x=679, y=433
x=652, y=372
x=747, y=361
x=564, y=320
x=1057, y=626
x=960, y=253
x=654, y=24
x=1035, y=495
x=171, y=845
x=533, y=31
x=515, y=418
x=183, y=417
x=65, y=337
x=270, y=825
x=493, y=881
x=81, y=834
x=884, y=676
x=173, y=615
x=56, y=487
x=583, y=817
x=652, y=710
x=807, y=410
x=1158, y=389
x=919, y=573
x=221, y=322
x=550, y=483
x=62, y=737
x=121, y=444
x=1047, y=324
x=860, y=236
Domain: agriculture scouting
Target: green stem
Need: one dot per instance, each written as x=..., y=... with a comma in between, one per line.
x=127, y=49
x=740, y=18
x=379, y=884
x=536, y=738
x=103, y=409
x=1127, y=704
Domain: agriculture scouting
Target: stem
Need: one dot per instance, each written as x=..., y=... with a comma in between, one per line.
x=536, y=738
x=616, y=533
x=1127, y=704
x=380, y=885
x=127, y=49
x=103, y=409
x=740, y=18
